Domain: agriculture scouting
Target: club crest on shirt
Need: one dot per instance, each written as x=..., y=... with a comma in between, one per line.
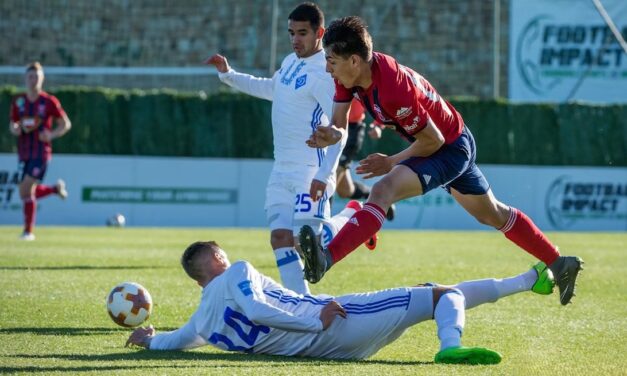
x=19, y=102
x=244, y=287
x=403, y=112
x=300, y=81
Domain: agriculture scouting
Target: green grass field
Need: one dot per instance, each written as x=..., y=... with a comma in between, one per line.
x=53, y=317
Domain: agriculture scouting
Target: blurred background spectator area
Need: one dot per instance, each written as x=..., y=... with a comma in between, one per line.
x=161, y=44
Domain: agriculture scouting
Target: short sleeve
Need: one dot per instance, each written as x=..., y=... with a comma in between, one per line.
x=55, y=107
x=409, y=114
x=342, y=94
x=15, y=114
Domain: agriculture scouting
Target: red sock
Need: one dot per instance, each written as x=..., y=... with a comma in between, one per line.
x=521, y=230
x=44, y=190
x=357, y=230
x=29, y=214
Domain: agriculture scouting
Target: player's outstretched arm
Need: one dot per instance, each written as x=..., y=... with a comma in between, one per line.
x=260, y=87
x=220, y=62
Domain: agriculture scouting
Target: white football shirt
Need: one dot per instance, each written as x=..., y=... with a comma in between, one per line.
x=302, y=93
x=243, y=310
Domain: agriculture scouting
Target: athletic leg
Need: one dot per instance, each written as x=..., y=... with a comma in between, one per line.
x=450, y=318
x=521, y=230
x=398, y=184
x=280, y=201
x=27, y=189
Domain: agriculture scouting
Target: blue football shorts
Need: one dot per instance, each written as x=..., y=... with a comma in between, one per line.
x=452, y=166
x=35, y=168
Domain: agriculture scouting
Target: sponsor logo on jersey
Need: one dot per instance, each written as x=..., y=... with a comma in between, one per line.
x=403, y=112
x=300, y=81
x=353, y=220
x=413, y=125
x=244, y=287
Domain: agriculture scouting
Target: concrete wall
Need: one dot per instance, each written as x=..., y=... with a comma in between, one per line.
x=448, y=41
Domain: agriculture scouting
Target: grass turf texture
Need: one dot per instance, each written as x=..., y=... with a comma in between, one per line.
x=53, y=317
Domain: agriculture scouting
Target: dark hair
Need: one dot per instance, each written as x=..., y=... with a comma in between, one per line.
x=348, y=36
x=308, y=12
x=191, y=254
x=35, y=65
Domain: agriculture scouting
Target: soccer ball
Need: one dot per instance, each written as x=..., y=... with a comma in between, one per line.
x=117, y=220
x=129, y=304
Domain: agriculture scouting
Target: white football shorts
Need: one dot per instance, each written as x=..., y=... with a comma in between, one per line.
x=288, y=193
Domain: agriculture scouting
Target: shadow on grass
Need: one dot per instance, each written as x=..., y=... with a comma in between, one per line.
x=67, y=331
x=227, y=358
x=105, y=369
x=81, y=267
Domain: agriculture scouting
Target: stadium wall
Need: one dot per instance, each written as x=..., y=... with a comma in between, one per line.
x=448, y=41
x=158, y=191
x=227, y=125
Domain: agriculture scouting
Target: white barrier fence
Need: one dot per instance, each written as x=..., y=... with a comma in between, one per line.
x=155, y=191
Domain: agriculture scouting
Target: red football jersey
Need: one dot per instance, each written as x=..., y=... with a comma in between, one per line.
x=34, y=117
x=357, y=113
x=403, y=98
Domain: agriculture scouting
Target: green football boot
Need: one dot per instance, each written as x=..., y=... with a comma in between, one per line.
x=468, y=355
x=545, y=283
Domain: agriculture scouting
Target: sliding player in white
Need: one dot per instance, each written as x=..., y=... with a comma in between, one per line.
x=301, y=92
x=243, y=310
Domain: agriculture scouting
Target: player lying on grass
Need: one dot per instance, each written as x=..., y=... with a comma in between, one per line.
x=243, y=310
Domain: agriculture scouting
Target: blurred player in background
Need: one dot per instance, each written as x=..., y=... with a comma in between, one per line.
x=301, y=92
x=32, y=116
x=244, y=310
x=346, y=186
x=441, y=154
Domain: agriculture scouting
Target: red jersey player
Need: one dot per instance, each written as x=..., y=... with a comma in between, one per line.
x=441, y=154
x=32, y=115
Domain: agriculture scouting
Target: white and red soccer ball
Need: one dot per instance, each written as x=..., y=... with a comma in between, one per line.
x=129, y=304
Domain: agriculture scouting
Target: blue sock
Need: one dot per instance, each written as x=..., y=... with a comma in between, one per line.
x=291, y=270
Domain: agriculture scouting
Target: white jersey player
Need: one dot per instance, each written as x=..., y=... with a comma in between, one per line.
x=243, y=310
x=302, y=178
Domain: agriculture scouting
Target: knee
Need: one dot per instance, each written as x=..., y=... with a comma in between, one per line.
x=381, y=192
x=495, y=217
x=343, y=191
x=26, y=191
x=440, y=291
x=281, y=239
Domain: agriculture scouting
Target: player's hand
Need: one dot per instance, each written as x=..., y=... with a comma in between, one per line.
x=324, y=136
x=317, y=189
x=45, y=136
x=16, y=129
x=141, y=337
x=374, y=165
x=219, y=61
x=329, y=312
x=374, y=132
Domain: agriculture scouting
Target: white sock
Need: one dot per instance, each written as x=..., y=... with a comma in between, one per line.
x=291, y=269
x=449, y=315
x=490, y=290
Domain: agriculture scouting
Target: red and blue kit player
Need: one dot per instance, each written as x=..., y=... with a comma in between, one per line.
x=441, y=154
x=32, y=117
